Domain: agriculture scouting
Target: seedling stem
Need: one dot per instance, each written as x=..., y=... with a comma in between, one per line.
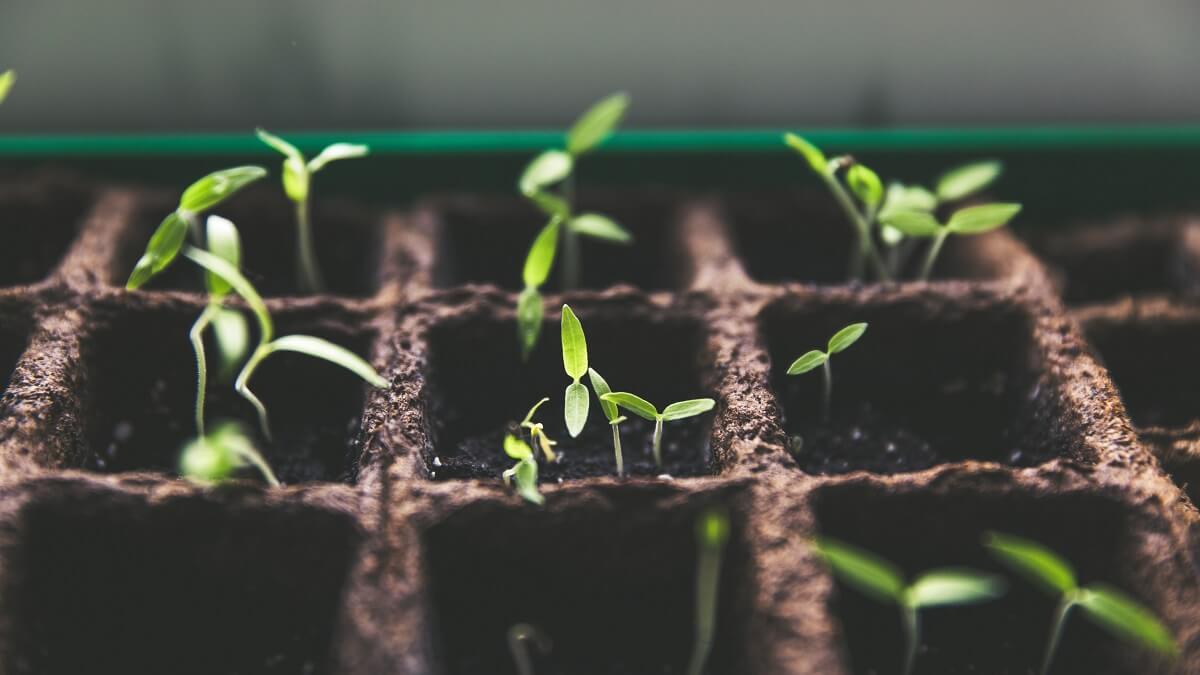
x=518, y=638
x=646, y=410
x=840, y=341
x=712, y=533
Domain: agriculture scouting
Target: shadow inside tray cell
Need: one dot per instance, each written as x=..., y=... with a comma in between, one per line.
x=140, y=399
x=14, y=339
x=479, y=388
x=347, y=238
x=40, y=217
x=111, y=584
x=1153, y=362
x=613, y=588
x=923, y=531
x=923, y=386
x=486, y=240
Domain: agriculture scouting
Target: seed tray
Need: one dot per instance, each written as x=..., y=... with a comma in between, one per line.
x=394, y=547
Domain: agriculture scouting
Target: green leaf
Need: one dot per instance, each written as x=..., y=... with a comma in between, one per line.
x=516, y=448
x=295, y=179
x=232, y=335
x=967, y=180
x=529, y=319
x=335, y=152
x=218, y=186
x=890, y=235
x=7, y=79
x=1124, y=617
x=526, y=478
x=845, y=337
x=982, y=218
x=633, y=403
x=239, y=283
x=550, y=204
x=601, y=388
x=954, y=587
x=689, y=408
x=865, y=184
x=283, y=147
x=164, y=245
x=712, y=528
x=810, y=360
x=546, y=169
x=594, y=125
x=814, y=157
x=328, y=351
x=574, y=345
x=865, y=571
x=600, y=227
x=575, y=408
x=529, y=415
x=912, y=223
x=1033, y=561
x=206, y=461
x=541, y=255
x=901, y=197
x=223, y=242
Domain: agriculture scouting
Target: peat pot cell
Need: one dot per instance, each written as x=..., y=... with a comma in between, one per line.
x=39, y=219
x=106, y=584
x=922, y=531
x=485, y=241
x=612, y=588
x=479, y=389
x=805, y=237
x=346, y=236
x=925, y=385
x=141, y=393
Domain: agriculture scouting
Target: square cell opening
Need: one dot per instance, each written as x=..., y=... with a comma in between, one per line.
x=1153, y=363
x=40, y=217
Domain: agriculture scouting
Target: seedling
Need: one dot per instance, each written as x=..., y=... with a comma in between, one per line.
x=556, y=167
x=525, y=472
x=644, y=409
x=521, y=634
x=967, y=221
x=882, y=581
x=1112, y=610
x=7, y=79
x=297, y=184
x=712, y=532
x=611, y=413
x=810, y=360
x=575, y=362
x=213, y=457
x=537, y=433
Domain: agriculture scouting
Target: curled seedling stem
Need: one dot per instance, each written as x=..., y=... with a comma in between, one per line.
x=644, y=409
x=712, y=533
x=519, y=636
x=814, y=358
x=525, y=472
x=537, y=433
x=611, y=413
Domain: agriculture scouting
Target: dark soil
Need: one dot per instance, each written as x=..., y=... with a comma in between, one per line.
x=14, y=338
x=188, y=587
x=40, y=219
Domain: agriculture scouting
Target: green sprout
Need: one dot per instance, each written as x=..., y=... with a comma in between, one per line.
x=712, y=532
x=644, y=409
x=882, y=581
x=212, y=457
x=611, y=413
x=7, y=79
x=525, y=472
x=518, y=636
x=810, y=360
x=555, y=167
x=575, y=362
x=537, y=433
x=1108, y=607
x=297, y=184
x=967, y=221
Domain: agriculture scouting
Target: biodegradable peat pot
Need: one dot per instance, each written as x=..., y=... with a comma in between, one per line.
x=972, y=403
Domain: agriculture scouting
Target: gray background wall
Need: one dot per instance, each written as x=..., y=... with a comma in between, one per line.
x=127, y=65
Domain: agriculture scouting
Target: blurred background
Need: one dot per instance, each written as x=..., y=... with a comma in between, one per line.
x=157, y=65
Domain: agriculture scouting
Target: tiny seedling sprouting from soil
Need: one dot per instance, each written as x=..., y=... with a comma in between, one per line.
x=1108, y=607
x=611, y=413
x=519, y=637
x=712, y=533
x=810, y=360
x=297, y=184
x=537, y=433
x=556, y=167
x=882, y=581
x=7, y=79
x=213, y=457
x=967, y=221
x=575, y=362
x=525, y=472
x=644, y=409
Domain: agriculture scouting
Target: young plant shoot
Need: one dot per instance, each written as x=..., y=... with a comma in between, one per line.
x=213, y=457
x=611, y=413
x=882, y=581
x=519, y=637
x=712, y=533
x=297, y=184
x=1108, y=607
x=810, y=360
x=556, y=167
x=537, y=433
x=644, y=409
x=7, y=79
x=575, y=361
x=967, y=221
x=525, y=472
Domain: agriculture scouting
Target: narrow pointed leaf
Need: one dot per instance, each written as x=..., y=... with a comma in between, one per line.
x=595, y=125
x=161, y=251
x=550, y=204
x=808, y=361
x=982, y=218
x=845, y=337
x=546, y=169
x=239, y=283
x=529, y=319
x=633, y=403
x=574, y=345
x=328, y=351
x=1126, y=618
x=335, y=152
x=690, y=408
x=863, y=570
x=218, y=186
x=954, y=587
x=575, y=408
x=967, y=180
x=223, y=242
x=541, y=255
x=912, y=223
x=810, y=153
x=516, y=448
x=281, y=146
x=600, y=227
x=7, y=79
x=865, y=185
x=1032, y=561
x=600, y=386
x=532, y=411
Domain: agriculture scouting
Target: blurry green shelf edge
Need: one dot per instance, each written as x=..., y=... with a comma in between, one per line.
x=1186, y=137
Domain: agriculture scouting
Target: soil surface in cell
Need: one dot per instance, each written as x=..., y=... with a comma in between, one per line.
x=39, y=219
